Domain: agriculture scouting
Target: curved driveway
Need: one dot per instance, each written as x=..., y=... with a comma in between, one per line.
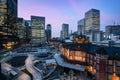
x=21, y=75
x=29, y=66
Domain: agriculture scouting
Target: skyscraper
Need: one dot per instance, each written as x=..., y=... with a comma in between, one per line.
x=92, y=20
x=48, y=32
x=8, y=23
x=21, y=28
x=61, y=34
x=81, y=26
x=38, y=29
x=27, y=30
x=65, y=30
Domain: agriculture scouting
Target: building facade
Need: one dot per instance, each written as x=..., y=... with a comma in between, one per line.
x=95, y=36
x=38, y=30
x=49, y=32
x=65, y=31
x=27, y=32
x=29, y=22
x=23, y=31
x=81, y=27
x=102, y=63
x=92, y=20
x=8, y=24
x=112, y=31
x=21, y=28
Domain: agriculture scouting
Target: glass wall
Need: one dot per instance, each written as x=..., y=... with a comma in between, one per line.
x=38, y=29
x=8, y=19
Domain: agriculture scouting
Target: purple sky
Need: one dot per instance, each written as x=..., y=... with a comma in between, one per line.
x=69, y=11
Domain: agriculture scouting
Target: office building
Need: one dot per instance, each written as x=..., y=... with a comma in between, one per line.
x=23, y=31
x=96, y=36
x=81, y=27
x=8, y=24
x=38, y=30
x=92, y=21
x=27, y=31
x=65, y=31
x=61, y=34
x=48, y=32
x=112, y=31
x=29, y=22
x=21, y=28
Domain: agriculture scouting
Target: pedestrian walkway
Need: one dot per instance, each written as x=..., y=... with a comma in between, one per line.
x=61, y=62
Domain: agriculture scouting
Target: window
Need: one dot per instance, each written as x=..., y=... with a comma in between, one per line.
x=87, y=55
x=95, y=57
x=97, y=67
x=91, y=61
x=94, y=63
x=83, y=59
x=97, y=60
x=110, y=62
x=71, y=53
x=118, y=63
x=110, y=69
x=90, y=56
x=118, y=69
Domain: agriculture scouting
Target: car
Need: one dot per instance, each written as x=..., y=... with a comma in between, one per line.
x=13, y=73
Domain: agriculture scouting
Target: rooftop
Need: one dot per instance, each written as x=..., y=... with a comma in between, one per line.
x=94, y=49
x=68, y=65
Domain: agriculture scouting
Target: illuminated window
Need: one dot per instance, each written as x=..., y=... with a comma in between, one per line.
x=118, y=63
x=83, y=59
x=110, y=62
x=97, y=67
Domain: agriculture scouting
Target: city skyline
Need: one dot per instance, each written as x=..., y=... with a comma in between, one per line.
x=69, y=11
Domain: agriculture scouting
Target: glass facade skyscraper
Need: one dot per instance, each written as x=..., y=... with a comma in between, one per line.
x=92, y=20
x=38, y=29
x=8, y=23
x=48, y=32
x=65, y=30
x=81, y=26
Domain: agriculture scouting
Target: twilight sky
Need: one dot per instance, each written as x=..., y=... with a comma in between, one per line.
x=69, y=11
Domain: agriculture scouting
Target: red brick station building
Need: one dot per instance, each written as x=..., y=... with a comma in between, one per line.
x=101, y=61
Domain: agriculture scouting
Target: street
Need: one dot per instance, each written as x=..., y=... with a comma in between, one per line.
x=29, y=66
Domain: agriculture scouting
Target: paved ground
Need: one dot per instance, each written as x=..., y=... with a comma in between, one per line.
x=29, y=65
x=21, y=75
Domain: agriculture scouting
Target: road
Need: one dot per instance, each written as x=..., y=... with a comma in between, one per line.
x=21, y=75
x=29, y=66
